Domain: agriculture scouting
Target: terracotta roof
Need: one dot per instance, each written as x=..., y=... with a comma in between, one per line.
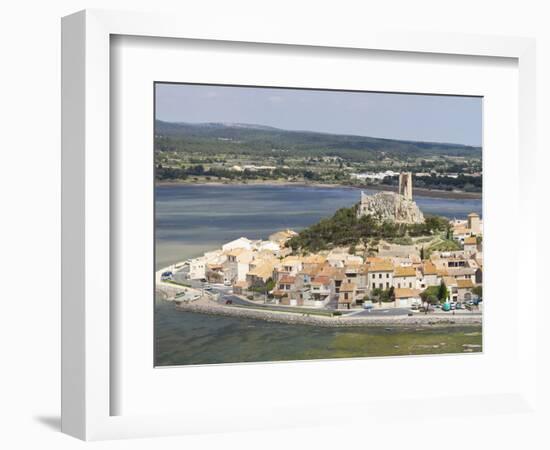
x=374, y=259
x=314, y=259
x=406, y=293
x=464, y=284
x=292, y=259
x=405, y=272
x=473, y=214
x=311, y=271
x=241, y=284
x=449, y=281
x=383, y=266
x=470, y=241
x=348, y=287
x=460, y=271
x=321, y=279
x=429, y=268
x=338, y=275
x=287, y=279
x=262, y=271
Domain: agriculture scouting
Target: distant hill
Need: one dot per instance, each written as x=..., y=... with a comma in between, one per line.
x=263, y=140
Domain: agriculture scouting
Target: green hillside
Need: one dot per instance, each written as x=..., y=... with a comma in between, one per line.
x=257, y=140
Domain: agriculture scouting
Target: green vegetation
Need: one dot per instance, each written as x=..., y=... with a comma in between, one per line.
x=250, y=153
x=434, y=294
x=210, y=138
x=378, y=295
x=478, y=290
x=443, y=183
x=344, y=229
x=443, y=245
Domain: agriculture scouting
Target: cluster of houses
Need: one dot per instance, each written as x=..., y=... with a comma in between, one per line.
x=340, y=280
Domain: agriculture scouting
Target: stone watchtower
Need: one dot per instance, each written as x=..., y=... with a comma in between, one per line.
x=406, y=185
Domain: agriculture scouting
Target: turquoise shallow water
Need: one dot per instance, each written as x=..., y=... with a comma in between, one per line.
x=192, y=219
x=188, y=338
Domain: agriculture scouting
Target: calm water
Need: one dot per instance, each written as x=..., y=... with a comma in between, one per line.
x=193, y=219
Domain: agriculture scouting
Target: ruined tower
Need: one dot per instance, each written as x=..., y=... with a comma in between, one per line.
x=406, y=185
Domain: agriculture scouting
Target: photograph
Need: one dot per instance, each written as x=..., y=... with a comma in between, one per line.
x=298, y=224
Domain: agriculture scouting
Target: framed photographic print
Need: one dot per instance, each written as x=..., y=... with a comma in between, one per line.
x=299, y=237
x=265, y=229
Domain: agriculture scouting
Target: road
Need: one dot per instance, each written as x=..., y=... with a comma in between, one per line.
x=225, y=293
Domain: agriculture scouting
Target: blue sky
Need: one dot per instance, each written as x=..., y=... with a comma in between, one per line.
x=396, y=116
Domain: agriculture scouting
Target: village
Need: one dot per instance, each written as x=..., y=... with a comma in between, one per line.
x=343, y=280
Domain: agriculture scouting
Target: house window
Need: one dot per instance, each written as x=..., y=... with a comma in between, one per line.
x=373, y=276
x=387, y=275
x=387, y=285
x=379, y=275
x=398, y=285
x=346, y=295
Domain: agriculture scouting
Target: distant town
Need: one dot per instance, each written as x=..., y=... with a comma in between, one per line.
x=245, y=153
x=434, y=275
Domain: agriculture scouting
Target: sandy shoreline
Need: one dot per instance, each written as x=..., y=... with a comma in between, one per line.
x=416, y=191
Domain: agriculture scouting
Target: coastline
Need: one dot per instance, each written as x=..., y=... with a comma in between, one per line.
x=422, y=192
x=333, y=322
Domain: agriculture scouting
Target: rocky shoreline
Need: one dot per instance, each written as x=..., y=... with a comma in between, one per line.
x=338, y=322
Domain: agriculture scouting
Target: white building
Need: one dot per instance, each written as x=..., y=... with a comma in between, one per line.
x=242, y=242
x=197, y=268
x=237, y=264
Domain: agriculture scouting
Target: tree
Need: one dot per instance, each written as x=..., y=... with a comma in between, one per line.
x=376, y=295
x=478, y=290
x=442, y=293
x=269, y=284
x=430, y=292
x=422, y=253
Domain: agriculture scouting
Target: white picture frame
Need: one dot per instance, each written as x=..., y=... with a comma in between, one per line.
x=87, y=386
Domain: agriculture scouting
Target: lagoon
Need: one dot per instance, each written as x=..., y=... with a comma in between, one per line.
x=191, y=219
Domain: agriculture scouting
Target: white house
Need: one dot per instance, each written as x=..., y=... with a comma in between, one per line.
x=405, y=297
x=237, y=264
x=380, y=275
x=269, y=246
x=197, y=268
x=242, y=242
x=404, y=277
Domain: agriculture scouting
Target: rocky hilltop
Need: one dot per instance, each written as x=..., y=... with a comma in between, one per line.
x=389, y=206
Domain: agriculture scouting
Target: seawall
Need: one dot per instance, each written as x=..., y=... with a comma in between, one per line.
x=322, y=321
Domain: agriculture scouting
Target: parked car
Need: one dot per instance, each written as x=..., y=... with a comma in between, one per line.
x=229, y=302
x=166, y=276
x=227, y=283
x=207, y=287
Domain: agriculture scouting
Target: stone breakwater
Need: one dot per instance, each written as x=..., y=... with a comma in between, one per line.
x=322, y=321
